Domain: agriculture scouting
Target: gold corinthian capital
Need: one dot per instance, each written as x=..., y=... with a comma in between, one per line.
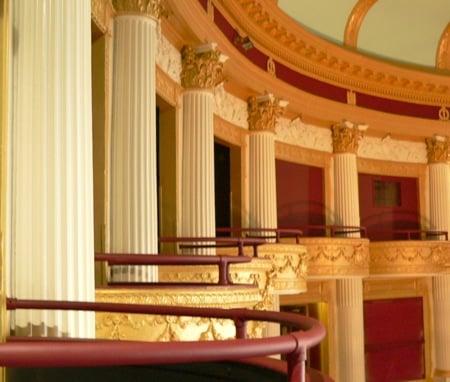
x=346, y=137
x=202, y=67
x=437, y=149
x=263, y=112
x=152, y=8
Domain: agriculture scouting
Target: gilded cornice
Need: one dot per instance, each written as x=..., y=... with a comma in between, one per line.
x=151, y=8
x=355, y=20
x=284, y=39
x=443, y=50
x=345, y=137
x=201, y=69
x=263, y=112
x=437, y=149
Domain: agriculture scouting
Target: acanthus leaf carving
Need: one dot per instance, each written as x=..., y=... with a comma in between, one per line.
x=201, y=69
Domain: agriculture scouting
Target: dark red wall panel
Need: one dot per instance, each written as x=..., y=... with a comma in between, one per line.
x=300, y=195
x=382, y=221
x=310, y=85
x=397, y=107
x=394, y=340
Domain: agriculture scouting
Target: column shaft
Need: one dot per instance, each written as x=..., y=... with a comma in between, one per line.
x=133, y=222
x=439, y=196
x=198, y=208
x=441, y=295
x=51, y=144
x=262, y=180
x=350, y=330
x=346, y=197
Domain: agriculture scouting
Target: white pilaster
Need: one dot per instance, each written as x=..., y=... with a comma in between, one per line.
x=198, y=208
x=133, y=222
x=262, y=180
x=51, y=145
x=350, y=330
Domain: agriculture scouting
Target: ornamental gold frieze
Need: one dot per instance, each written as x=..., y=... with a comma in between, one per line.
x=202, y=67
x=346, y=137
x=336, y=257
x=172, y=328
x=152, y=8
x=289, y=262
x=258, y=273
x=437, y=149
x=168, y=328
x=407, y=258
x=286, y=41
x=263, y=112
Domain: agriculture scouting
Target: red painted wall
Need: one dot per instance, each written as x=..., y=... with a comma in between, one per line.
x=394, y=340
x=300, y=195
x=381, y=221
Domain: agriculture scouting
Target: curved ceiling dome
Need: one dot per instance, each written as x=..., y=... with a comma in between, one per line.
x=401, y=30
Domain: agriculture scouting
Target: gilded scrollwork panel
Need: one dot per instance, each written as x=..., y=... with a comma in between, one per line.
x=172, y=328
x=334, y=257
x=408, y=258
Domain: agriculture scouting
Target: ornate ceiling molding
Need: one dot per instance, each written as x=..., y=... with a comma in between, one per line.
x=355, y=20
x=283, y=38
x=443, y=50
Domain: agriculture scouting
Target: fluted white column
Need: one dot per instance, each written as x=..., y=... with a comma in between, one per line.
x=346, y=197
x=202, y=71
x=437, y=150
x=350, y=330
x=439, y=196
x=198, y=208
x=263, y=112
x=133, y=225
x=441, y=294
x=346, y=136
x=262, y=180
x=51, y=145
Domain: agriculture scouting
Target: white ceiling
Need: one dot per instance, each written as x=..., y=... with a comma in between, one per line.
x=402, y=30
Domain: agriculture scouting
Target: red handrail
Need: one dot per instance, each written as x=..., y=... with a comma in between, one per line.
x=223, y=262
x=50, y=353
x=231, y=242
x=334, y=229
x=410, y=232
x=278, y=233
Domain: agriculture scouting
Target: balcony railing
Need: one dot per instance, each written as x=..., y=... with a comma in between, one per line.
x=48, y=352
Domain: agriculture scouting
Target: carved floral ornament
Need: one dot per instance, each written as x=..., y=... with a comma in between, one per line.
x=263, y=112
x=202, y=67
x=437, y=149
x=346, y=136
x=153, y=8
